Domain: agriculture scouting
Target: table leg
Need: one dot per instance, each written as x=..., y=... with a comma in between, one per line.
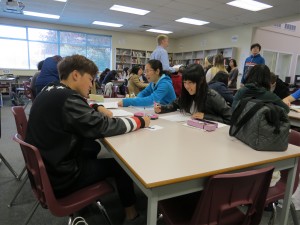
x=152, y=210
x=288, y=194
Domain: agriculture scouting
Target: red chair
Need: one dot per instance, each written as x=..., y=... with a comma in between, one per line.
x=219, y=201
x=277, y=192
x=43, y=191
x=21, y=124
x=28, y=92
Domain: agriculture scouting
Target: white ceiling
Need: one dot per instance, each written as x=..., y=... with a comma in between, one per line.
x=163, y=13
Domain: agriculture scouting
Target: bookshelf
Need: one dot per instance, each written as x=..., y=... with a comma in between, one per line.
x=198, y=56
x=131, y=57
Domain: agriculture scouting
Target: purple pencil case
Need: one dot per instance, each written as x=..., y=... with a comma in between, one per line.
x=203, y=124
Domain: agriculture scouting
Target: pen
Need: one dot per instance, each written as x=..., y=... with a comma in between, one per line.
x=144, y=111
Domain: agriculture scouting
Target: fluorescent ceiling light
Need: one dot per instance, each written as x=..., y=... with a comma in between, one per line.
x=126, y=9
x=107, y=24
x=61, y=0
x=159, y=31
x=51, y=16
x=249, y=5
x=191, y=21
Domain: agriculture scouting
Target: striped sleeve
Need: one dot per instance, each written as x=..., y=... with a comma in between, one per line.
x=133, y=123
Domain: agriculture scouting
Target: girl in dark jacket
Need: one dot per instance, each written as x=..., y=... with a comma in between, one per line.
x=197, y=99
x=220, y=84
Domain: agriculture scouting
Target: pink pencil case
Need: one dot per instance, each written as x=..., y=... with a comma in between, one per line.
x=141, y=114
x=203, y=124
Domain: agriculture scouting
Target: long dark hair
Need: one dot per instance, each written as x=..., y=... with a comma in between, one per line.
x=260, y=76
x=194, y=73
x=135, y=69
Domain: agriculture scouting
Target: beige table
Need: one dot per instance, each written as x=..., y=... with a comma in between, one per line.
x=177, y=160
x=294, y=118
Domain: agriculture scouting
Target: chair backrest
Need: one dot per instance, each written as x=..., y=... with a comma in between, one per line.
x=21, y=120
x=294, y=139
x=36, y=170
x=225, y=192
x=27, y=90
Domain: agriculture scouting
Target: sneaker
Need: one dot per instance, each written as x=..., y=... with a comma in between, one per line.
x=139, y=220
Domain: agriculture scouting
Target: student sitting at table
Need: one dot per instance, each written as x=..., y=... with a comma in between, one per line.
x=135, y=85
x=258, y=84
x=220, y=84
x=63, y=127
x=197, y=99
x=159, y=90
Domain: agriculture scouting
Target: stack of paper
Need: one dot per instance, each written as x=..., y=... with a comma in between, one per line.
x=120, y=112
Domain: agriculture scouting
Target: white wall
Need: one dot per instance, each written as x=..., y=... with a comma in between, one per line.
x=220, y=39
x=276, y=40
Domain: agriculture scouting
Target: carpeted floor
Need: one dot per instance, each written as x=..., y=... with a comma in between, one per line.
x=25, y=201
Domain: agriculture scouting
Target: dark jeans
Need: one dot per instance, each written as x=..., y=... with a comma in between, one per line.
x=95, y=170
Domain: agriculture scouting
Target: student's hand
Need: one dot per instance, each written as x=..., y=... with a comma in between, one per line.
x=105, y=111
x=286, y=101
x=147, y=120
x=120, y=103
x=157, y=108
x=198, y=115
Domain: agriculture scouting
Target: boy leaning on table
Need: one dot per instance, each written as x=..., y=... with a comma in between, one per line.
x=63, y=127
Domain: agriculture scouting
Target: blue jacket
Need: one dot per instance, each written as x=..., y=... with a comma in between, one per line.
x=250, y=62
x=49, y=73
x=296, y=94
x=162, y=92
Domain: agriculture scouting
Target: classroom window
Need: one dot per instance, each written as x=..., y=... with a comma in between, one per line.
x=40, y=50
x=14, y=54
x=12, y=32
x=25, y=46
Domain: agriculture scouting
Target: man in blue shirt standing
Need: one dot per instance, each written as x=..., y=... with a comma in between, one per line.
x=254, y=59
x=161, y=54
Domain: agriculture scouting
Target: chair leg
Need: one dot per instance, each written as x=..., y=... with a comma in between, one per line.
x=22, y=172
x=294, y=214
x=104, y=213
x=18, y=191
x=71, y=218
x=274, y=215
x=9, y=166
x=32, y=212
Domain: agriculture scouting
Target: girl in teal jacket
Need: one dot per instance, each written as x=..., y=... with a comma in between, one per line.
x=159, y=90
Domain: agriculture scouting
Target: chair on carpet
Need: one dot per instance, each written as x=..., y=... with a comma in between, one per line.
x=277, y=192
x=21, y=125
x=43, y=191
x=28, y=92
x=220, y=201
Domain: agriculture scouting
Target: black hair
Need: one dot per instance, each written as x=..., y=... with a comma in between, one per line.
x=135, y=69
x=221, y=76
x=260, y=76
x=234, y=62
x=195, y=74
x=40, y=65
x=76, y=62
x=256, y=45
x=156, y=65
